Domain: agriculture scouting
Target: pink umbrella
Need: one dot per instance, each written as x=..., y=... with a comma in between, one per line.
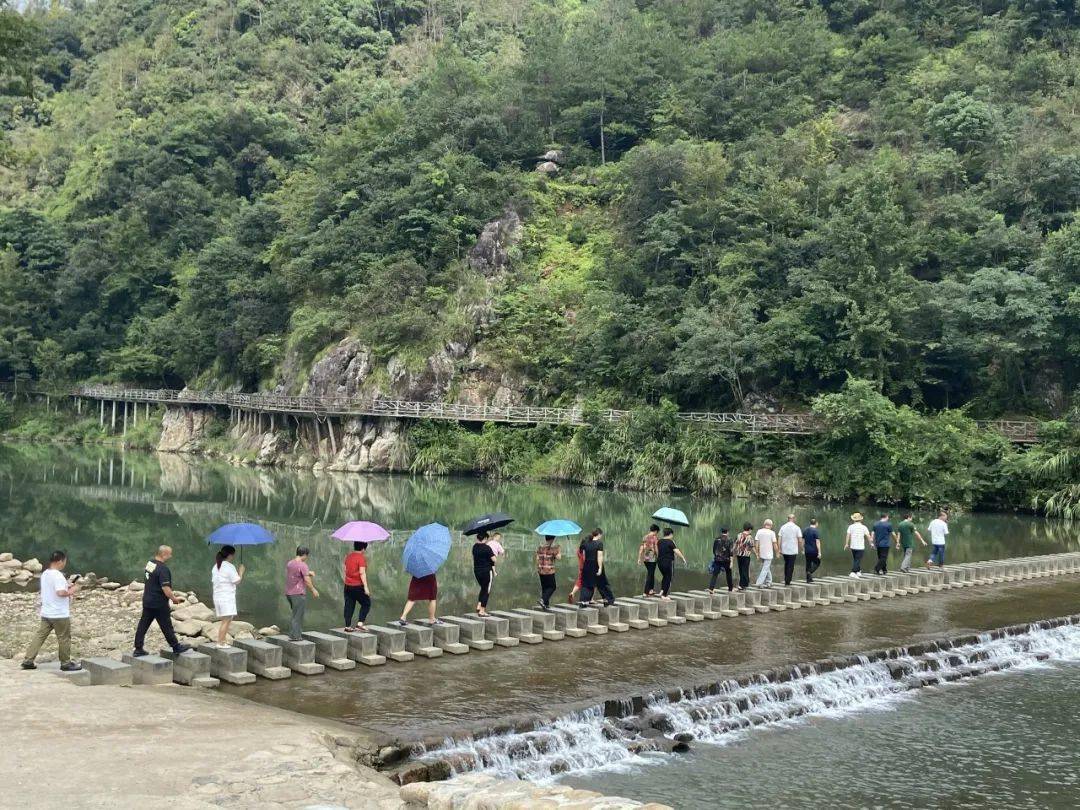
x=361, y=531
x=496, y=546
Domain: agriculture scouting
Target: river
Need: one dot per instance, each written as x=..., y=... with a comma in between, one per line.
x=111, y=510
x=1007, y=737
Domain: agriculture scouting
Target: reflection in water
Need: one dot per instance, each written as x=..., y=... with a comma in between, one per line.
x=110, y=510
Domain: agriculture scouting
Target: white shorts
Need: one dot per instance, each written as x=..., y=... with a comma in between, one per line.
x=225, y=607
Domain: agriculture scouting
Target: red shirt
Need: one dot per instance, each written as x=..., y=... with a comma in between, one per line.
x=354, y=561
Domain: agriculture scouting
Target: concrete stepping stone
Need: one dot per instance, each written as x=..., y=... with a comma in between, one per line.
x=263, y=659
x=611, y=617
x=668, y=610
x=737, y=602
x=816, y=592
x=789, y=598
x=391, y=643
x=299, y=656
x=361, y=647
x=542, y=622
x=686, y=607
x=419, y=640
x=447, y=637
x=330, y=651
x=648, y=610
x=720, y=602
x=496, y=629
x=108, y=672
x=470, y=632
x=80, y=677
x=702, y=603
x=520, y=627
x=149, y=670
x=567, y=623
x=229, y=664
x=631, y=614
x=587, y=618
x=191, y=668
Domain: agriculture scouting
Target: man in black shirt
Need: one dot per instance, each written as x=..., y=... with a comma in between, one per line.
x=592, y=572
x=157, y=594
x=811, y=536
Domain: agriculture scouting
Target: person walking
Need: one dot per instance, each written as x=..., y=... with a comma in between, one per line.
x=791, y=541
x=722, y=548
x=766, y=548
x=548, y=554
x=592, y=573
x=55, y=614
x=299, y=579
x=811, y=548
x=224, y=577
x=422, y=589
x=906, y=534
x=939, y=530
x=666, y=552
x=884, y=537
x=580, y=571
x=647, y=554
x=483, y=557
x=156, y=596
x=744, y=550
x=357, y=590
x=857, y=535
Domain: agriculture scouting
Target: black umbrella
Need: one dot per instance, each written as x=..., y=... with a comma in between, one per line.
x=496, y=520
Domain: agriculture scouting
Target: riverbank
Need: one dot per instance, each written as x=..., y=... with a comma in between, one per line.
x=937, y=459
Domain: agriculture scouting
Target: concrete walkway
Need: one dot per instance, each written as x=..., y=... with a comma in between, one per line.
x=113, y=747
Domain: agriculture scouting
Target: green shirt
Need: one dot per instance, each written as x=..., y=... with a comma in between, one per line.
x=907, y=533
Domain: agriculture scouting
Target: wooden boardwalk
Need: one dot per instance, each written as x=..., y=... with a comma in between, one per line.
x=319, y=408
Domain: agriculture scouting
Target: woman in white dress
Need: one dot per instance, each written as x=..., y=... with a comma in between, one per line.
x=224, y=577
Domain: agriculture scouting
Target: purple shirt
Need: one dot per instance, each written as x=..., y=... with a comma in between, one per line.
x=295, y=573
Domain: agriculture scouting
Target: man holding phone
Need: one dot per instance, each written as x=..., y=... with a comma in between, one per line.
x=55, y=613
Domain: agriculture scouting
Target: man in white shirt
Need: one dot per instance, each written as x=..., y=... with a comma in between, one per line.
x=857, y=535
x=939, y=529
x=766, y=549
x=791, y=541
x=55, y=613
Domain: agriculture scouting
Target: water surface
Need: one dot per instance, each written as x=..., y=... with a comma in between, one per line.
x=110, y=511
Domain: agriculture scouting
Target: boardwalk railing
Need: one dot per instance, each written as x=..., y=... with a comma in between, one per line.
x=323, y=406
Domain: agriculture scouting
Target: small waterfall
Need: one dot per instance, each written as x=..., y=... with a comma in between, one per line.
x=725, y=712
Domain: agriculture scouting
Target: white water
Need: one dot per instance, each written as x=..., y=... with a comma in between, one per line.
x=586, y=741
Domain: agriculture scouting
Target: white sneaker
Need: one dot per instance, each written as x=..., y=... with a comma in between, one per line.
x=853, y=575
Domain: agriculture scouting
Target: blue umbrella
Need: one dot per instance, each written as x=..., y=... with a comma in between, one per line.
x=426, y=550
x=669, y=515
x=558, y=528
x=240, y=534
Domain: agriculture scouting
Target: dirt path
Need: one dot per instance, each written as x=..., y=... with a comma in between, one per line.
x=66, y=746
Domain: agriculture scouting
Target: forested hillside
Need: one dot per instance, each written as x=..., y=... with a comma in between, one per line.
x=749, y=197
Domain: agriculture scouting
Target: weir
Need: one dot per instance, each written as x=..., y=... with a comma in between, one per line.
x=620, y=732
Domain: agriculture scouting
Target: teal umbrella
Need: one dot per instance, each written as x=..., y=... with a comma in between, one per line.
x=673, y=516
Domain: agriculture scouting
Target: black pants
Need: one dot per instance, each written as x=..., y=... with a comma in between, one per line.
x=650, y=578
x=164, y=619
x=667, y=570
x=356, y=595
x=547, y=588
x=881, y=566
x=483, y=579
x=813, y=562
x=744, y=572
x=856, y=560
x=789, y=567
x=590, y=581
x=717, y=567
